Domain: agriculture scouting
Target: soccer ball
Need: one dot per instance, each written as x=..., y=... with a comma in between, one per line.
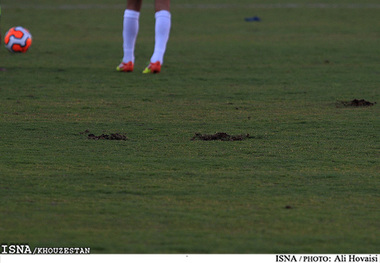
x=18, y=39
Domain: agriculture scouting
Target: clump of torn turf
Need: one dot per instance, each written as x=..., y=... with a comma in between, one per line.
x=356, y=103
x=220, y=136
x=112, y=136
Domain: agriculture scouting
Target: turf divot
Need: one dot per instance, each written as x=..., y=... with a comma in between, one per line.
x=220, y=136
x=356, y=103
x=112, y=136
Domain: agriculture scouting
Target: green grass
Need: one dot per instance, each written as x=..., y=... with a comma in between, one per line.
x=160, y=192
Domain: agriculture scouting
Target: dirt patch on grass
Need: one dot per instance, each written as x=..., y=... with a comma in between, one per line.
x=112, y=136
x=355, y=103
x=220, y=136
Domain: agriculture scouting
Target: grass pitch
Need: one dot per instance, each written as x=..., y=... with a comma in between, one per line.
x=305, y=181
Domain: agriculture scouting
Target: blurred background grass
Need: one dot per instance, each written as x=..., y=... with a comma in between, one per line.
x=159, y=192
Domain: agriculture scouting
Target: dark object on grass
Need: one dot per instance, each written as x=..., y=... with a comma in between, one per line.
x=356, y=103
x=253, y=19
x=112, y=136
x=220, y=136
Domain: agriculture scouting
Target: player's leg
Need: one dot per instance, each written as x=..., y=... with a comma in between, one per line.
x=134, y=5
x=162, y=31
x=162, y=5
x=130, y=31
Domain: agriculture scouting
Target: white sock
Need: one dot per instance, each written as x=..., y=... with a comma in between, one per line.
x=162, y=30
x=130, y=31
